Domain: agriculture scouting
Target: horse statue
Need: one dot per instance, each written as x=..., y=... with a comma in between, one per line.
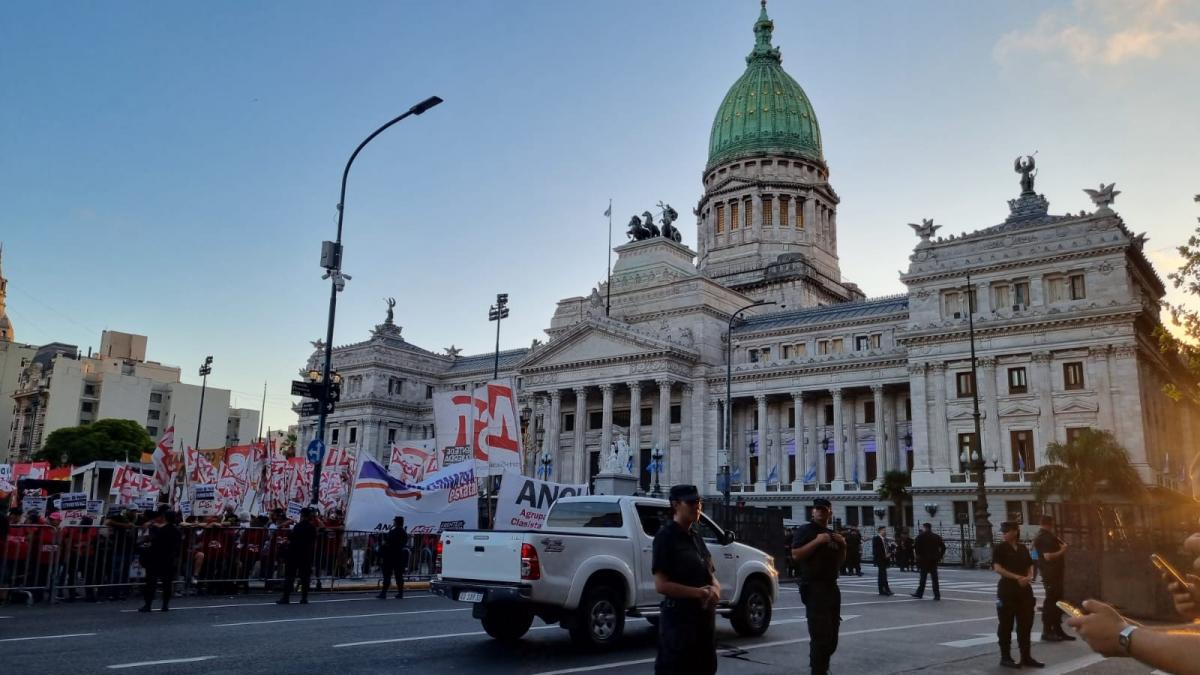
x=637, y=231
x=648, y=223
x=669, y=215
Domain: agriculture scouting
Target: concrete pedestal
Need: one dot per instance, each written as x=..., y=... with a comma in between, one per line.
x=614, y=484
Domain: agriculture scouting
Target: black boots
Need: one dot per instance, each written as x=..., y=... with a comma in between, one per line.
x=1028, y=661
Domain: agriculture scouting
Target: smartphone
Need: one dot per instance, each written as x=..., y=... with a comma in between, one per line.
x=1164, y=566
x=1068, y=608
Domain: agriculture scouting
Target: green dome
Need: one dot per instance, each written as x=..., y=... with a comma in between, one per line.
x=765, y=110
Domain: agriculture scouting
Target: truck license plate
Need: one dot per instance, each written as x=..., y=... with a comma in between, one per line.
x=470, y=596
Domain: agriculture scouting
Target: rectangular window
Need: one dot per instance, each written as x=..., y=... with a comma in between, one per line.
x=828, y=414
x=822, y=347
x=868, y=412
x=765, y=353
x=966, y=384
x=835, y=346
x=801, y=350
x=786, y=351
x=1020, y=442
x=153, y=414
x=753, y=354
x=391, y=436
x=962, y=512
x=1073, y=375
x=876, y=340
x=733, y=214
x=1056, y=289
x=676, y=414
x=719, y=221
x=156, y=398
x=647, y=417
x=585, y=514
x=428, y=391
x=89, y=390
x=595, y=420
x=768, y=217
x=1073, y=433
x=747, y=211
x=353, y=435
x=1014, y=512
x=621, y=418
x=1017, y=384
x=333, y=436
x=799, y=214
x=784, y=203
x=86, y=407
x=952, y=305
x=153, y=431
x=965, y=443
x=862, y=343
x=568, y=423
x=1021, y=294
x=908, y=410
x=792, y=417
x=1002, y=296
x=1078, y=292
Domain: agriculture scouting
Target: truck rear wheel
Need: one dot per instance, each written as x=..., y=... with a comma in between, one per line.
x=752, y=615
x=600, y=619
x=507, y=624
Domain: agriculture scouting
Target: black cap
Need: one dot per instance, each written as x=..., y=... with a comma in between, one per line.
x=1006, y=526
x=685, y=493
x=822, y=503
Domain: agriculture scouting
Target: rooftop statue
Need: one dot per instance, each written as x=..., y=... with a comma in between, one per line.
x=669, y=215
x=1027, y=168
x=925, y=230
x=1104, y=197
x=391, y=305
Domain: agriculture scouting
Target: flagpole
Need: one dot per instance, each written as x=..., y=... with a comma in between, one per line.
x=262, y=411
x=608, y=284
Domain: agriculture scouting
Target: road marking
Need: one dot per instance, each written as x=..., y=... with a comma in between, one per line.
x=415, y=638
x=983, y=639
x=340, y=616
x=139, y=664
x=47, y=637
x=268, y=604
x=763, y=645
x=1072, y=665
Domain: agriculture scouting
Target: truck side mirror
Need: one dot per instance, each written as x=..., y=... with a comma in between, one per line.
x=729, y=538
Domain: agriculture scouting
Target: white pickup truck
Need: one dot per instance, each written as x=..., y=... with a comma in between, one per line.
x=589, y=568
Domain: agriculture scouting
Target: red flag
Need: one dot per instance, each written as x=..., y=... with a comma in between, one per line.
x=165, y=461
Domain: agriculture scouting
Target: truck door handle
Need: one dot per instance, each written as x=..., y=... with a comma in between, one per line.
x=479, y=549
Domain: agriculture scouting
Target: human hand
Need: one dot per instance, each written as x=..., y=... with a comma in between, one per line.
x=824, y=538
x=1186, y=598
x=841, y=541
x=1025, y=581
x=714, y=596
x=1101, y=627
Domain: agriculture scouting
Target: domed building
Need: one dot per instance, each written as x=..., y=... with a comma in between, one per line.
x=828, y=389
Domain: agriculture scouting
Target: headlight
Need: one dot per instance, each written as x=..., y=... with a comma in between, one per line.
x=771, y=567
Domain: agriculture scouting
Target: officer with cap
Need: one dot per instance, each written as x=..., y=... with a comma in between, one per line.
x=1014, y=596
x=820, y=552
x=300, y=552
x=684, y=574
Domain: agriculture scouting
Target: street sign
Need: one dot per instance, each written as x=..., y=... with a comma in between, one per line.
x=316, y=451
x=307, y=389
x=310, y=408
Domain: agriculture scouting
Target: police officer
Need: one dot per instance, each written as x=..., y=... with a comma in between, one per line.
x=1051, y=550
x=1014, y=596
x=684, y=574
x=299, y=562
x=820, y=552
x=395, y=557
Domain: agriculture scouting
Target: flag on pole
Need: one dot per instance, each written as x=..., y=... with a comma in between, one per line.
x=1021, y=462
x=736, y=474
x=773, y=475
x=165, y=463
x=608, y=211
x=810, y=476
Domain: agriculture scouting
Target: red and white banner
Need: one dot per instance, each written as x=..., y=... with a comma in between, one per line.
x=279, y=476
x=165, y=461
x=300, y=485
x=411, y=460
x=128, y=484
x=486, y=420
x=200, y=469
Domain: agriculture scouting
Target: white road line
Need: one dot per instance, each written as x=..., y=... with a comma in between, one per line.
x=268, y=604
x=340, y=616
x=982, y=639
x=47, y=637
x=1072, y=665
x=415, y=638
x=763, y=645
x=139, y=664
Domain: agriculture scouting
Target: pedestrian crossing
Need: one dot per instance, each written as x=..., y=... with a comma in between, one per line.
x=908, y=582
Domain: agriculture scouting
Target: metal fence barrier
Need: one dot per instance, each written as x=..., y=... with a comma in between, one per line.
x=44, y=563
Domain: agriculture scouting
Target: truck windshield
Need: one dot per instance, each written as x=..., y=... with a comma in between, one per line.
x=585, y=514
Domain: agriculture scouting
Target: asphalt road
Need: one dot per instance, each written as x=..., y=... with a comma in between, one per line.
x=357, y=633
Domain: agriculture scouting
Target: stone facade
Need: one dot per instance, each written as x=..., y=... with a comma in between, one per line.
x=828, y=389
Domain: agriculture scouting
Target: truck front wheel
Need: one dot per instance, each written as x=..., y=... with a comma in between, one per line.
x=600, y=619
x=507, y=624
x=752, y=615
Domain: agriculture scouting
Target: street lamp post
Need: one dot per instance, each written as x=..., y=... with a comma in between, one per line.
x=205, y=370
x=331, y=260
x=729, y=389
x=497, y=312
x=976, y=463
x=656, y=456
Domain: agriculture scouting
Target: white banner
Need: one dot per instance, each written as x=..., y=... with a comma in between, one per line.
x=486, y=420
x=523, y=502
x=447, y=500
x=204, y=492
x=73, y=501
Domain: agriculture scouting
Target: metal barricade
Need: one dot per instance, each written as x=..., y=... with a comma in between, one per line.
x=26, y=569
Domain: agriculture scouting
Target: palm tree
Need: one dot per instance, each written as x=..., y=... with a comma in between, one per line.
x=288, y=447
x=894, y=488
x=1092, y=466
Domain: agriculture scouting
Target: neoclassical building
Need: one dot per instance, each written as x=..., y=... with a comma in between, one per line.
x=829, y=388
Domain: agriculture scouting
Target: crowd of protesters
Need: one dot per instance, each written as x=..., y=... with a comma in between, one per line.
x=226, y=553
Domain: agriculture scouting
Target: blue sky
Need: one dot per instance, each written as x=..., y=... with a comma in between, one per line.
x=171, y=168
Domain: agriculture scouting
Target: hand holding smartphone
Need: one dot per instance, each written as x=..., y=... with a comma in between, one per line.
x=1068, y=609
x=1167, y=568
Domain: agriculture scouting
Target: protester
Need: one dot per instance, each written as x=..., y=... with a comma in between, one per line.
x=1014, y=596
x=854, y=544
x=301, y=543
x=880, y=548
x=684, y=574
x=820, y=552
x=160, y=557
x=395, y=557
x=930, y=550
x=1052, y=553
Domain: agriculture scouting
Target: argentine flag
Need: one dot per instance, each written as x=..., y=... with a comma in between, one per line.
x=773, y=476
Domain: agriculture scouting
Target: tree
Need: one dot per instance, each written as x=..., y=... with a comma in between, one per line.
x=288, y=447
x=1187, y=320
x=105, y=440
x=894, y=488
x=1092, y=466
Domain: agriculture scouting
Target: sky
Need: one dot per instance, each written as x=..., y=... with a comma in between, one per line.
x=170, y=169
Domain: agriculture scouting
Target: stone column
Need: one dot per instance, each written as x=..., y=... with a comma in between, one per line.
x=712, y=445
x=579, y=459
x=881, y=442
x=780, y=449
x=662, y=439
x=839, y=438
x=757, y=222
x=942, y=453
x=992, y=444
x=606, y=439
x=802, y=450
x=1099, y=371
x=764, y=458
x=635, y=416
x=683, y=455
x=817, y=453
x=855, y=452
x=897, y=441
x=554, y=432
x=1043, y=384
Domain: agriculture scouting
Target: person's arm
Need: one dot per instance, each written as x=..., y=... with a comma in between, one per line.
x=1186, y=598
x=678, y=591
x=803, y=552
x=1172, y=649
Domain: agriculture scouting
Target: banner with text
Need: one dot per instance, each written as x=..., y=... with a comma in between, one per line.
x=446, y=500
x=485, y=420
x=523, y=502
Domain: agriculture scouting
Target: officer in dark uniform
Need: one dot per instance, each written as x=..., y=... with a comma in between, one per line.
x=684, y=574
x=1051, y=550
x=1014, y=596
x=820, y=552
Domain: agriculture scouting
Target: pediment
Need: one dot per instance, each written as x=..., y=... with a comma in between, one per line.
x=1018, y=409
x=1075, y=405
x=963, y=414
x=603, y=341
